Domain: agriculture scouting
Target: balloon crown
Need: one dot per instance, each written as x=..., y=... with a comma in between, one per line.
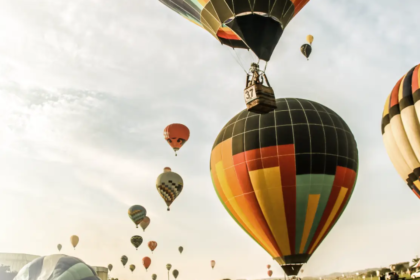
x=167, y=169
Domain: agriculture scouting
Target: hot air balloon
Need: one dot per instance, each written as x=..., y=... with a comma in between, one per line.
x=180, y=249
x=270, y=273
x=152, y=245
x=310, y=39
x=59, y=247
x=301, y=270
x=154, y=276
x=286, y=177
x=132, y=267
x=306, y=50
x=137, y=214
x=251, y=25
x=168, y=266
x=124, y=260
x=212, y=263
x=110, y=267
x=74, y=239
x=268, y=266
x=145, y=223
x=57, y=267
x=169, y=185
x=147, y=262
x=401, y=129
x=176, y=135
x=175, y=273
x=136, y=240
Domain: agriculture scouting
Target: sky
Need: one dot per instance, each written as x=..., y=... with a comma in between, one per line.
x=87, y=87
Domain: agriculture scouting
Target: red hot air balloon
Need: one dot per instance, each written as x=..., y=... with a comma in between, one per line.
x=268, y=266
x=145, y=223
x=176, y=135
x=147, y=262
x=270, y=273
x=213, y=263
x=152, y=245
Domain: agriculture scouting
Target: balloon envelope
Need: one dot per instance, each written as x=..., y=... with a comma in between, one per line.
x=241, y=24
x=169, y=185
x=132, y=267
x=124, y=260
x=168, y=266
x=146, y=262
x=306, y=50
x=57, y=267
x=401, y=129
x=145, y=223
x=154, y=276
x=137, y=214
x=268, y=266
x=175, y=273
x=180, y=249
x=74, y=239
x=136, y=240
x=310, y=39
x=270, y=273
x=152, y=245
x=176, y=135
x=212, y=263
x=286, y=177
x=110, y=267
x=59, y=247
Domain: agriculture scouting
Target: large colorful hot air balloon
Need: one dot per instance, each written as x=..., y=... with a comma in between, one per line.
x=169, y=185
x=132, y=267
x=286, y=177
x=255, y=25
x=152, y=245
x=401, y=129
x=145, y=223
x=124, y=260
x=137, y=214
x=57, y=267
x=59, y=247
x=175, y=273
x=110, y=267
x=147, y=262
x=74, y=239
x=154, y=276
x=136, y=240
x=212, y=263
x=180, y=249
x=270, y=273
x=176, y=135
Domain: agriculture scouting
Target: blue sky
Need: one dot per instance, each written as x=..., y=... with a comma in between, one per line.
x=87, y=87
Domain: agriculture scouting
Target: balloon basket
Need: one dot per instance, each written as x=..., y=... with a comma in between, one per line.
x=260, y=99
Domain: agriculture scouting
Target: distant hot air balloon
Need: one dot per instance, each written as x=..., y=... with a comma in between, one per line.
x=176, y=135
x=401, y=129
x=270, y=273
x=268, y=266
x=175, y=273
x=169, y=185
x=132, y=267
x=110, y=267
x=136, y=240
x=152, y=245
x=145, y=223
x=154, y=276
x=74, y=239
x=286, y=177
x=59, y=247
x=310, y=39
x=301, y=270
x=168, y=266
x=146, y=262
x=212, y=263
x=306, y=50
x=180, y=249
x=124, y=260
x=137, y=214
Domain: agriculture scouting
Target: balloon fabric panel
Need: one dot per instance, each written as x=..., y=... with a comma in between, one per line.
x=302, y=155
x=401, y=128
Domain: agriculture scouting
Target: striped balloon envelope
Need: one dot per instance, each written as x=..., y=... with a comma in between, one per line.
x=401, y=129
x=256, y=25
x=57, y=267
x=286, y=177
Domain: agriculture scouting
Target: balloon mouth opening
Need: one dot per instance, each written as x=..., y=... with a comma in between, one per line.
x=292, y=269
